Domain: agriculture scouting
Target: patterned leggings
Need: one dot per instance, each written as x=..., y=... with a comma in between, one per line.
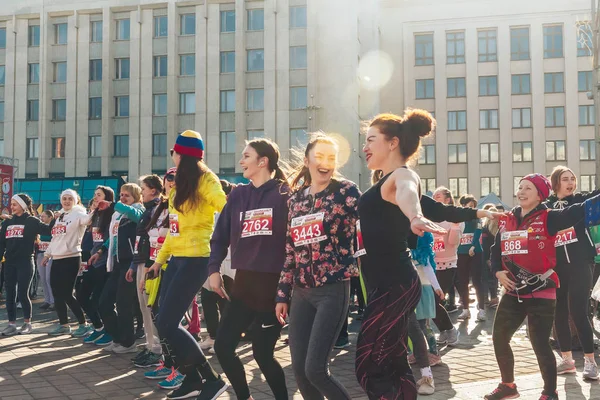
x=382, y=367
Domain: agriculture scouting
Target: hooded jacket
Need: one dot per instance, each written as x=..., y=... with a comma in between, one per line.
x=67, y=234
x=122, y=234
x=18, y=236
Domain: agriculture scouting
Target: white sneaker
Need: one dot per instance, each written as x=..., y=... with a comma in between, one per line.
x=25, y=329
x=110, y=347
x=565, y=367
x=425, y=386
x=10, y=330
x=481, y=316
x=452, y=337
x=118, y=349
x=465, y=314
x=207, y=343
x=590, y=370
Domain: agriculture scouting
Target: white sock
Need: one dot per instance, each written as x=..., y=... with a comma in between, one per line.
x=426, y=372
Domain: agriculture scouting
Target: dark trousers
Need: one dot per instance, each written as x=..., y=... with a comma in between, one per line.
x=89, y=291
x=540, y=316
x=356, y=289
x=442, y=319
x=62, y=280
x=18, y=275
x=470, y=269
x=119, y=323
x=266, y=330
x=214, y=305
x=381, y=364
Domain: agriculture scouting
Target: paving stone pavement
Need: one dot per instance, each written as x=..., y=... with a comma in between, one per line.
x=37, y=366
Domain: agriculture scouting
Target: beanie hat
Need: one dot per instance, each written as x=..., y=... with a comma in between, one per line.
x=542, y=184
x=190, y=143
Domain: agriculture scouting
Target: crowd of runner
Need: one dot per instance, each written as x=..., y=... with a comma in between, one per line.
x=295, y=246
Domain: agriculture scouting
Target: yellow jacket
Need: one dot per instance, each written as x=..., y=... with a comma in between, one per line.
x=195, y=227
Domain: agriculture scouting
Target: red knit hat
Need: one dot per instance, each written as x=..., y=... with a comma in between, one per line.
x=542, y=184
x=190, y=143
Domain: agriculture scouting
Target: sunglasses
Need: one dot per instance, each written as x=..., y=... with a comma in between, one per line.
x=170, y=178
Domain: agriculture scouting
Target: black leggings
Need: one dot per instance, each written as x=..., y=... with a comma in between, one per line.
x=62, y=279
x=18, y=277
x=573, y=300
x=267, y=328
x=88, y=293
x=470, y=268
x=213, y=305
x=122, y=294
x=540, y=316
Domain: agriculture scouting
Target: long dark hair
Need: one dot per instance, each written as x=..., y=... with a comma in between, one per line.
x=301, y=175
x=270, y=150
x=153, y=182
x=187, y=179
x=28, y=203
x=104, y=216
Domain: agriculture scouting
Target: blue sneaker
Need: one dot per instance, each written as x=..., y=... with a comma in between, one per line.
x=161, y=372
x=94, y=336
x=82, y=331
x=105, y=340
x=60, y=330
x=173, y=381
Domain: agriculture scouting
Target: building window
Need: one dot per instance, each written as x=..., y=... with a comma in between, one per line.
x=456, y=87
x=458, y=186
x=455, y=47
x=34, y=36
x=160, y=66
x=587, y=150
x=34, y=73
x=584, y=39
x=160, y=104
x=521, y=118
x=429, y=184
x=159, y=144
x=587, y=183
x=95, y=146
x=553, y=41
x=555, y=116
x=122, y=106
x=516, y=183
x=298, y=17
x=187, y=103
x=490, y=185
x=488, y=119
x=33, y=110
x=424, y=89
x=2, y=75
x=187, y=65
x=60, y=33
x=256, y=19
x=95, y=108
x=188, y=24
x=227, y=100
x=427, y=155
x=424, y=49
x=255, y=99
x=298, y=137
x=59, y=109
x=519, y=44
x=121, y=145
x=122, y=68
x=96, y=32
x=161, y=25
x=586, y=115
x=33, y=148
x=227, y=21
x=256, y=134
x=457, y=120
x=489, y=152
x=227, y=62
x=298, y=58
x=487, y=45
x=60, y=72
x=123, y=30
x=227, y=152
x=95, y=70
x=488, y=86
x=58, y=147
x=298, y=98
x=457, y=153
x=1, y=111
x=256, y=60
x=555, y=150
x=584, y=81
x=3, y=38
x=522, y=152
x=1, y=147
x=554, y=82
x=521, y=84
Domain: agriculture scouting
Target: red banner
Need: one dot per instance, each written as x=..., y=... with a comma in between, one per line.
x=6, y=174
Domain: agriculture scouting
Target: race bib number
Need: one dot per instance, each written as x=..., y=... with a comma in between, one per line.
x=43, y=246
x=174, y=224
x=155, y=245
x=97, y=236
x=59, y=230
x=15, y=231
x=308, y=229
x=438, y=245
x=115, y=229
x=360, y=247
x=564, y=237
x=466, y=239
x=257, y=222
x=137, y=242
x=514, y=242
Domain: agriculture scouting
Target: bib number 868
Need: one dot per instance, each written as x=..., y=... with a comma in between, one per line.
x=512, y=245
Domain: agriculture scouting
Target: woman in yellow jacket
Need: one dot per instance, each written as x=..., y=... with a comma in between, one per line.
x=192, y=204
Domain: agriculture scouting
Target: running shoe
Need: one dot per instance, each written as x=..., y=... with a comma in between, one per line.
x=118, y=349
x=212, y=389
x=207, y=343
x=503, y=392
x=465, y=314
x=95, y=336
x=443, y=337
x=342, y=343
x=82, y=331
x=44, y=306
x=187, y=390
x=434, y=359
x=173, y=381
x=552, y=396
x=590, y=370
x=104, y=340
x=481, y=316
x=161, y=372
x=60, y=330
x=141, y=355
x=566, y=367
x=452, y=336
x=425, y=386
x=25, y=329
x=151, y=360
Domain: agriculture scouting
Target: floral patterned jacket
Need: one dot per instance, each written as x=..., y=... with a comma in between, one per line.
x=331, y=259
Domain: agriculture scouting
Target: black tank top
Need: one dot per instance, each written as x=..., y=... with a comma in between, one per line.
x=385, y=230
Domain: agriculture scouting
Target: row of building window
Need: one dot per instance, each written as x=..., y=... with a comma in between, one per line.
x=187, y=26
x=554, y=82
x=487, y=45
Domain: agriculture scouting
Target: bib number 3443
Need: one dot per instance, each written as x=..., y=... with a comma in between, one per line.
x=307, y=229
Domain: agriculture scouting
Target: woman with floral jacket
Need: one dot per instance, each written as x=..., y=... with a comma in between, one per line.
x=319, y=264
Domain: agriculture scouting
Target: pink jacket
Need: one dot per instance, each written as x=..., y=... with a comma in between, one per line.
x=451, y=241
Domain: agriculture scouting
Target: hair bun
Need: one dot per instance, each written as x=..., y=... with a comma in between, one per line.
x=419, y=122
